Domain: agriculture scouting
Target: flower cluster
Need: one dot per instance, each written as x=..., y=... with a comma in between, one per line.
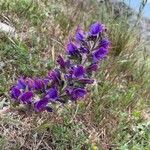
x=68, y=81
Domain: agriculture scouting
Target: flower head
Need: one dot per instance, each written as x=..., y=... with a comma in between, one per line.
x=26, y=97
x=55, y=76
x=63, y=64
x=104, y=43
x=41, y=104
x=96, y=28
x=78, y=71
x=72, y=49
x=39, y=84
x=80, y=35
x=78, y=93
x=15, y=93
x=52, y=94
x=68, y=80
x=46, y=81
x=99, y=54
x=21, y=83
x=30, y=83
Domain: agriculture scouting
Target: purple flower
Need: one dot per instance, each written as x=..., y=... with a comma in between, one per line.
x=99, y=54
x=46, y=81
x=63, y=64
x=27, y=97
x=75, y=93
x=104, y=43
x=78, y=71
x=21, y=83
x=30, y=83
x=80, y=35
x=78, y=93
x=52, y=93
x=72, y=49
x=39, y=84
x=55, y=76
x=41, y=104
x=69, y=79
x=15, y=93
x=96, y=28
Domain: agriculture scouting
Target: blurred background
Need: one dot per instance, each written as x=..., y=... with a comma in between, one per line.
x=116, y=114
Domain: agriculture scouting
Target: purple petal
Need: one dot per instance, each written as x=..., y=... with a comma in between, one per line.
x=26, y=97
x=78, y=93
x=30, y=83
x=78, y=71
x=75, y=93
x=72, y=49
x=99, y=54
x=61, y=62
x=41, y=104
x=80, y=35
x=55, y=76
x=96, y=28
x=15, y=93
x=52, y=93
x=21, y=83
x=105, y=43
x=39, y=84
x=46, y=81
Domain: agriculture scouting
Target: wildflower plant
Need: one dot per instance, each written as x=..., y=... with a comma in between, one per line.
x=69, y=80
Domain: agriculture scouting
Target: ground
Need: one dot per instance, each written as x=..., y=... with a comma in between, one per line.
x=115, y=114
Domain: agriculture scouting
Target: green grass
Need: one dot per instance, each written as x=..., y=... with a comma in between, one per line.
x=114, y=115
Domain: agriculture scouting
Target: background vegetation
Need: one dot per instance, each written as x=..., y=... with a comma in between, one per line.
x=115, y=115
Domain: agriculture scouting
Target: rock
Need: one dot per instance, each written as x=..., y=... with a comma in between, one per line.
x=7, y=29
x=2, y=64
